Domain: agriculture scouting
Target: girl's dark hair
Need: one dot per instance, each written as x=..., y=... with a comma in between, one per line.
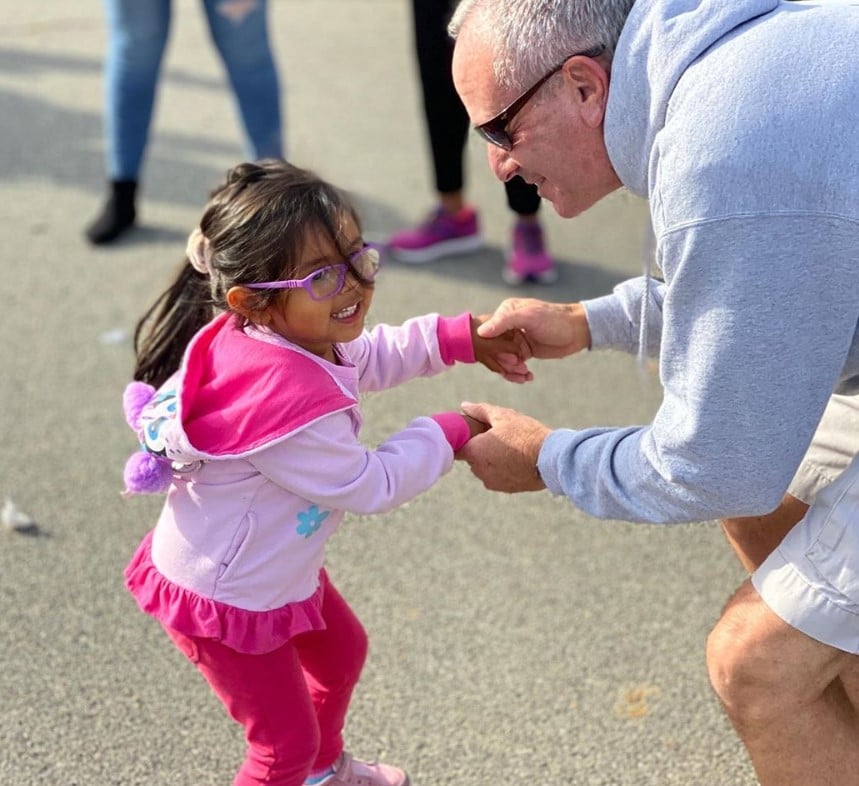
x=256, y=223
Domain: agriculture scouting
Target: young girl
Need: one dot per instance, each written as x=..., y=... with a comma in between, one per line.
x=258, y=353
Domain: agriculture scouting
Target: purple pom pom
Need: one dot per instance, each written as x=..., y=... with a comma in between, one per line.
x=146, y=474
x=135, y=397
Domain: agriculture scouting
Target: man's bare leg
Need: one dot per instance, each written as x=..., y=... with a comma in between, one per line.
x=783, y=693
x=755, y=537
x=850, y=681
x=753, y=656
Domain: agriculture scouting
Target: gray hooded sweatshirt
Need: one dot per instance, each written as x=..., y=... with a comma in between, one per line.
x=739, y=121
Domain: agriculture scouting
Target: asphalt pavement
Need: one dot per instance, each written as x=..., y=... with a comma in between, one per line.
x=514, y=640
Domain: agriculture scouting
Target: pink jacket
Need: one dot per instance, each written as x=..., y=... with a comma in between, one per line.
x=263, y=436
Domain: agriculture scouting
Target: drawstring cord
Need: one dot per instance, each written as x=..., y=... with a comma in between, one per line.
x=647, y=254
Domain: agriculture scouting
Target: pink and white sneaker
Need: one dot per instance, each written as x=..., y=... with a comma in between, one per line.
x=442, y=234
x=351, y=772
x=528, y=259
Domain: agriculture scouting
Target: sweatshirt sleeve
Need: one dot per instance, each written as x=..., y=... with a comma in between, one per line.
x=754, y=339
x=326, y=464
x=614, y=320
x=423, y=346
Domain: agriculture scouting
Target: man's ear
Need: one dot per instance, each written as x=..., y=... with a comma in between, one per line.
x=246, y=302
x=590, y=78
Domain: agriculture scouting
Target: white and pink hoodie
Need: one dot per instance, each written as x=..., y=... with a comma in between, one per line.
x=263, y=437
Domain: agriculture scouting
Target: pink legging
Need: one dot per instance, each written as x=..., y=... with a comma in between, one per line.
x=292, y=702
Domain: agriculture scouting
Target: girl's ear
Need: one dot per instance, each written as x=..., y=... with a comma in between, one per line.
x=246, y=302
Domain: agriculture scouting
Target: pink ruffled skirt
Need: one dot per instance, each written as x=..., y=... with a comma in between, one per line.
x=250, y=632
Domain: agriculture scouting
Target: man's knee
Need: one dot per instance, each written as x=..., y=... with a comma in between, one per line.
x=744, y=660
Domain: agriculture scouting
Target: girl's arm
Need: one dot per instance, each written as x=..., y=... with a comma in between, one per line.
x=423, y=346
x=326, y=464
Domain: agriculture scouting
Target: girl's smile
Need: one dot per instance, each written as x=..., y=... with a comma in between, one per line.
x=348, y=314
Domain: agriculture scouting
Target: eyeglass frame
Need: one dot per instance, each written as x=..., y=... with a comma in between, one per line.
x=497, y=125
x=342, y=269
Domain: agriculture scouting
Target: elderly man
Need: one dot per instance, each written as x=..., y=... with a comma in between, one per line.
x=737, y=120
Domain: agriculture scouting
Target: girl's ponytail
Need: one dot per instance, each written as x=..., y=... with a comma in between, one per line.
x=168, y=326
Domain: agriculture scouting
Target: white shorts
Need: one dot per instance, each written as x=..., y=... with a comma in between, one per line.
x=835, y=443
x=812, y=579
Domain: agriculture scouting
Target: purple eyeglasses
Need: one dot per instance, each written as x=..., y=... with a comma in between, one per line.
x=328, y=281
x=494, y=131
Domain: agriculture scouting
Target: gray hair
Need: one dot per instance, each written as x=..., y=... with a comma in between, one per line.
x=531, y=37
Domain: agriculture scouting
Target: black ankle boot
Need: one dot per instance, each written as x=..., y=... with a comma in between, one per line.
x=117, y=215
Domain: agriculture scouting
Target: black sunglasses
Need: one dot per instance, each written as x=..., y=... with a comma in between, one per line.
x=494, y=131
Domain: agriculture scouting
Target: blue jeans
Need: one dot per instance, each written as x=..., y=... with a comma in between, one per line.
x=138, y=31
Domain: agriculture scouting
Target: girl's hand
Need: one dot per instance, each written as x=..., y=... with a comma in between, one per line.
x=505, y=353
x=476, y=426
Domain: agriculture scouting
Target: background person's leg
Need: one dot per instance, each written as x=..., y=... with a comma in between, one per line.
x=527, y=259
x=446, y=118
x=137, y=37
x=240, y=34
x=453, y=226
x=137, y=40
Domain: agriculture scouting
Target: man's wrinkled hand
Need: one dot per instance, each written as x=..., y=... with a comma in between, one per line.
x=504, y=457
x=551, y=330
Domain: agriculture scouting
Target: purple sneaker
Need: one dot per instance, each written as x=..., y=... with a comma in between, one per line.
x=441, y=235
x=528, y=260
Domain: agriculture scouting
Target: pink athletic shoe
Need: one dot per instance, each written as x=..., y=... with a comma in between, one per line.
x=441, y=235
x=528, y=259
x=351, y=772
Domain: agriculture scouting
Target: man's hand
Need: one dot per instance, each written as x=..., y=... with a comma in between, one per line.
x=552, y=330
x=505, y=456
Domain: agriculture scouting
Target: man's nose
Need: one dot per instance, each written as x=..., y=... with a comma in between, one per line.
x=500, y=163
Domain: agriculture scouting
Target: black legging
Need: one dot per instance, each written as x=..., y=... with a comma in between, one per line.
x=447, y=120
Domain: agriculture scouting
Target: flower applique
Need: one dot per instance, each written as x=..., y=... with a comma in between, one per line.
x=311, y=520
